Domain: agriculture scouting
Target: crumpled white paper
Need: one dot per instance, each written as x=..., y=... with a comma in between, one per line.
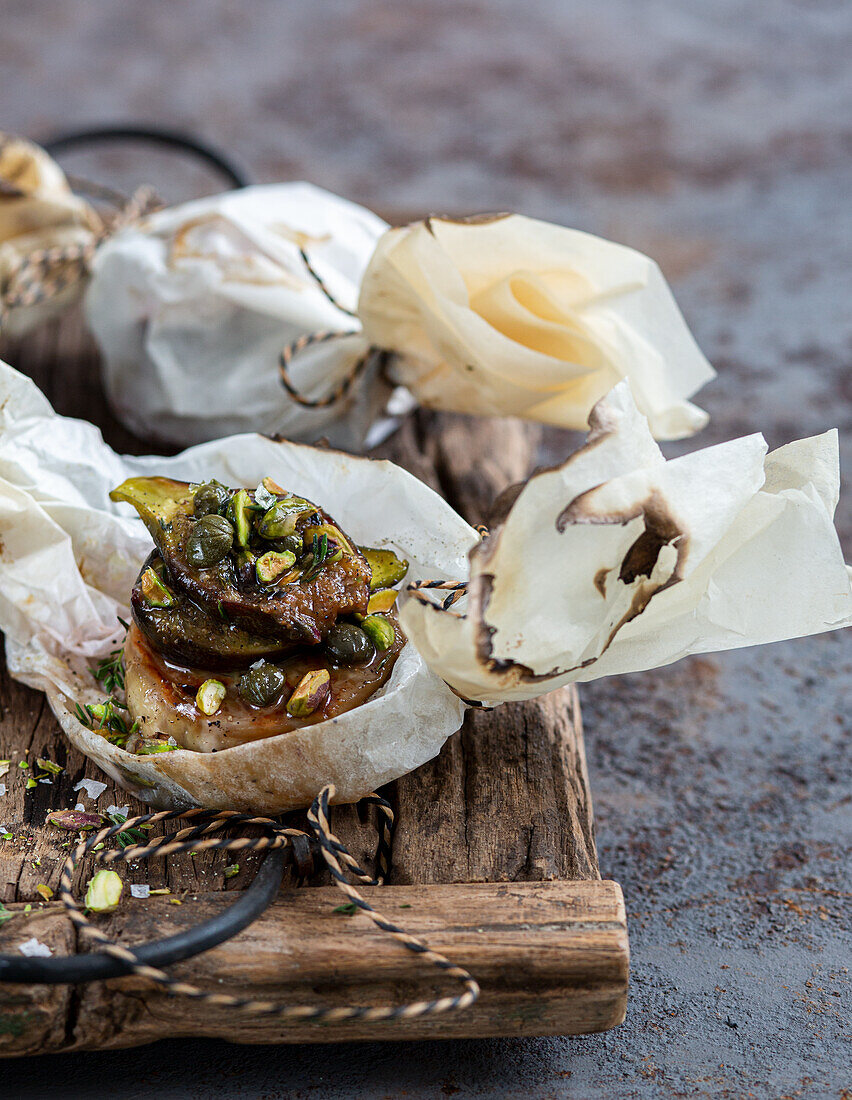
x=70, y=557
x=192, y=306
x=509, y=316
x=615, y=561
x=618, y=561
x=37, y=210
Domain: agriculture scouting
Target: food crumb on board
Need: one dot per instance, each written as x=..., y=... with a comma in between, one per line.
x=93, y=787
x=34, y=949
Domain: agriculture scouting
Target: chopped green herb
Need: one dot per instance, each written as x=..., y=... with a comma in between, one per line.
x=110, y=671
x=349, y=909
x=5, y=914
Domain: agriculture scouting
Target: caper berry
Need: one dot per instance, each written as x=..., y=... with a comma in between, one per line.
x=209, y=498
x=211, y=539
x=347, y=644
x=261, y=684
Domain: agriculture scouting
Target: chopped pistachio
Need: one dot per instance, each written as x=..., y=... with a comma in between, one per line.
x=381, y=601
x=209, y=696
x=232, y=870
x=271, y=565
x=281, y=518
x=310, y=694
x=175, y=901
x=162, y=890
x=149, y=748
x=49, y=766
x=239, y=511
x=104, y=892
x=386, y=568
x=45, y=891
x=74, y=820
x=31, y=783
x=379, y=630
x=155, y=592
x=272, y=486
x=23, y=764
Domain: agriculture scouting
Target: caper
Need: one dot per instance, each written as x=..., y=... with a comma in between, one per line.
x=261, y=685
x=347, y=644
x=281, y=518
x=209, y=498
x=211, y=539
x=288, y=544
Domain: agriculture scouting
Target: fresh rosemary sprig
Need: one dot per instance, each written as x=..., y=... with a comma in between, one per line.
x=105, y=716
x=110, y=671
x=320, y=551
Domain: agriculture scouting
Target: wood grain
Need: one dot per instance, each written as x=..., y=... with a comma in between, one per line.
x=506, y=801
x=551, y=959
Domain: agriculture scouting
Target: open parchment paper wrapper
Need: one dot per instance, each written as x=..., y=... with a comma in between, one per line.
x=618, y=561
x=38, y=210
x=615, y=561
x=192, y=306
x=509, y=316
x=70, y=557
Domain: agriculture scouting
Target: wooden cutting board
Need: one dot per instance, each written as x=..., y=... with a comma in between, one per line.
x=494, y=858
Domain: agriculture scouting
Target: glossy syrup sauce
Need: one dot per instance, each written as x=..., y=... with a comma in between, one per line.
x=162, y=694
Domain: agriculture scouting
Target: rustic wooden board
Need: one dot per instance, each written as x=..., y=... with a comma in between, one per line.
x=507, y=801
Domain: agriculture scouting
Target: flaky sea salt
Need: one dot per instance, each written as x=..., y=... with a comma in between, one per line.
x=80, y=806
x=140, y=891
x=118, y=810
x=2, y=789
x=93, y=788
x=34, y=949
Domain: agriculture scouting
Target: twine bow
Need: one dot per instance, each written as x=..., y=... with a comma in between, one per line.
x=46, y=272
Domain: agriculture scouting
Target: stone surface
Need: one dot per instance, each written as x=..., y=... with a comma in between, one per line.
x=716, y=137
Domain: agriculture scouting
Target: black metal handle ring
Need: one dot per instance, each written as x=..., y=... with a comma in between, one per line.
x=158, y=135
x=184, y=945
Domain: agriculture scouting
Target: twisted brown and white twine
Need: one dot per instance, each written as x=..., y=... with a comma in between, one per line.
x=195, y=838
x=46, y=272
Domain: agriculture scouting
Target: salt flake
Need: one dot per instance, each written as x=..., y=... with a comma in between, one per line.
x=93, y=788
x=140, y=891
x=34, y=949
x=118, y=810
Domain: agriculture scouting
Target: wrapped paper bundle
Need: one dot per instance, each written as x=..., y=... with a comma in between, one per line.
x=614, y=561
x=499, y=316
x=192, y=306
x=38, y=211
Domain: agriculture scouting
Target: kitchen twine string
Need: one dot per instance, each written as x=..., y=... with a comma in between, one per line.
x=45, y=272
x=340, y=863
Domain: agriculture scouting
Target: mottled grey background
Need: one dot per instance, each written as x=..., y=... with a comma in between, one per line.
x=717, y=135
